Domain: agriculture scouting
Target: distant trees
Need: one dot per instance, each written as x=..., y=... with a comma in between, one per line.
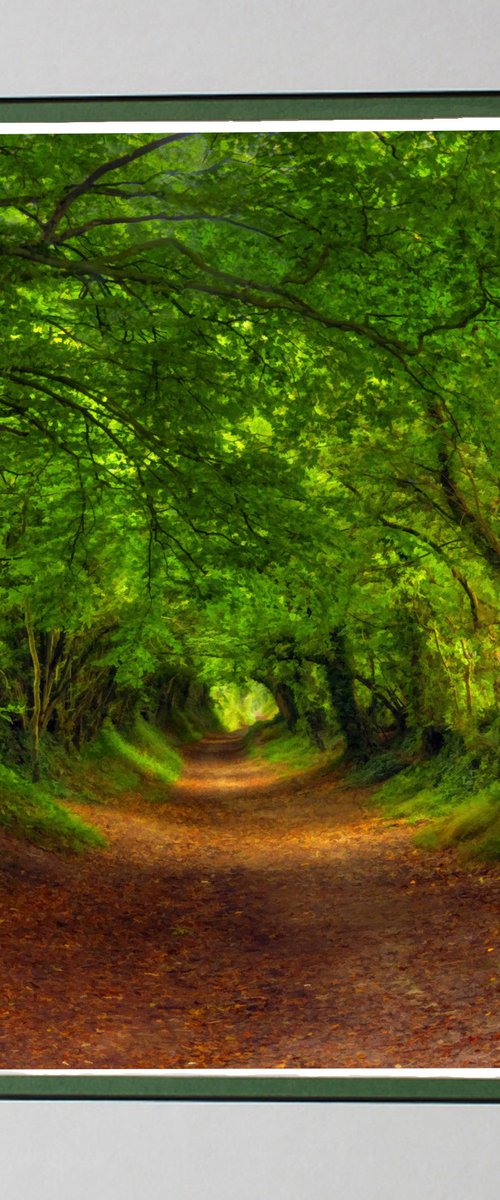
x=247, y=402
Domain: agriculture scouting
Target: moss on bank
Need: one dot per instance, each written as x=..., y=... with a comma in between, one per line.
x=32, y=813
x=290, y=753
x=453, y=797
x=113, y=767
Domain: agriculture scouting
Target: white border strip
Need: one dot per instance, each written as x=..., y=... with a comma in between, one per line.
x=286, y=1073
x=356, y=126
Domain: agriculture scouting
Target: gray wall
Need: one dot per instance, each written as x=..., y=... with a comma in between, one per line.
x=77, y=1150
x=111, y=47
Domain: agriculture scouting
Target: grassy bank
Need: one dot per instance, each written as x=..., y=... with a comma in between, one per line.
x=289, y=753
x=453, y=798
x=31, y=812
x=145, y=750
x=116, y=766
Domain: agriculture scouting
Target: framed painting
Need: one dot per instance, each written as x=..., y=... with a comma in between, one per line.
x=249, y=728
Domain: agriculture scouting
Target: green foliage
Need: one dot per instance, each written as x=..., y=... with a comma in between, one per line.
x=237, y=707
x=378, y=768
x=146, y=750
x=247, y=400
x=289, y=753
x=184, y=728
x=431, y=788
x=30, y=812
x=455, y=796
x=474, y=826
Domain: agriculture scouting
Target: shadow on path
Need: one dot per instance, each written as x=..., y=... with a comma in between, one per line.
x=249, y=921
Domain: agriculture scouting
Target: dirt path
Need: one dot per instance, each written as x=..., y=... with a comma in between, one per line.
x=246, y=923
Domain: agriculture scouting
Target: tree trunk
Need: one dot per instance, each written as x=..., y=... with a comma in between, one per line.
x=316, y=723
x=37, y=701
x=285, y=699
x=340, y=678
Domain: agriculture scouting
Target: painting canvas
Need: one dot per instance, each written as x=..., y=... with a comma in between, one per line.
x=249, y=805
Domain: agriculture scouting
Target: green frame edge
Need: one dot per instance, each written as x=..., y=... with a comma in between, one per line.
x=298, y=107
x=250, y=1088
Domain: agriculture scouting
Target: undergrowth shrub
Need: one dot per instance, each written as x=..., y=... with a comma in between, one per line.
x=377, y=769
x=146, y=750
x=29, y=811
x=185, y=729
x=456, y=794
x=293, y=753
x=474, y=826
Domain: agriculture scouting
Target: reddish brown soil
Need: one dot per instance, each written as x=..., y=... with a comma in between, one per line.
x=247, y=922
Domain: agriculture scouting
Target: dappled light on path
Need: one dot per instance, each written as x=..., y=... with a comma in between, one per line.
x=248, y=921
